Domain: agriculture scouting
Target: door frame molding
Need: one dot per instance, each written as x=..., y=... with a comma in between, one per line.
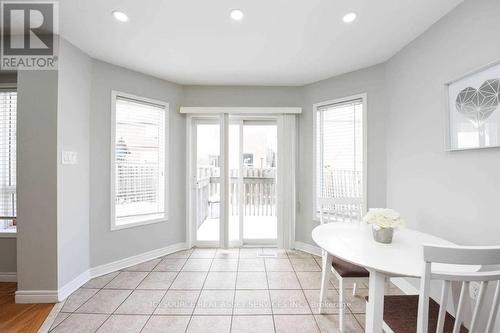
x=286, y=227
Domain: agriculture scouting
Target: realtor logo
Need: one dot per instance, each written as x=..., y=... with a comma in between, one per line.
x=29, y=35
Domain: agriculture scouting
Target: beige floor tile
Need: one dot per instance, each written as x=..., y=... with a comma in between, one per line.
x=143, y=267
x=101, y=281
x=123, y=324
x=296, y=324
x=357, y=303
x=166, y=324
x=141, y=302
x=289, y=302
x=126, y=280
x=298, y=254
x=197, y=265
x=178, y=302
x=311, y=280
x=331, y=306
x=250, y=302
x=61, y=316
x=278, y=265
x=81, y=323
x=251, y=265
x=189, y=280
x=361, y=319
x=180, y=254
x=215, y=302
x=76, y=299
x=220, y=280
x=251, y=280
x=203, y=253
x=252, y=324
x=348, y=284
x=250, y=252
x=279, y=253
x=158, y=280
x=227, y=253
x=282, y=280
x=224, y=265
x=105, y=301
x=170, y=264
x=209, y=324
x=305, y=265
x=330, y=324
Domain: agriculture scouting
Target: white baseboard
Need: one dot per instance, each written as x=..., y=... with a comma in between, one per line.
x=8, y=277
x=73, y=285
x=54, y=296
x=137, y=259
x=36, y=296
x=312, y=249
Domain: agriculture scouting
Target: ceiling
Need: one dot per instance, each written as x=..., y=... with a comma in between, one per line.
x=279, y=42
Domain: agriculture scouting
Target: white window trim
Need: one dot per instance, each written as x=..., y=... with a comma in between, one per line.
x=364, y=98
x=114, y=95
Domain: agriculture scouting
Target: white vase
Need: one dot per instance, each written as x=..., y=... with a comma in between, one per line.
x=382, y=235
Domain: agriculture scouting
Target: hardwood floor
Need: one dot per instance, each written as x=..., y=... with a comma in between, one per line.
x=25, y=318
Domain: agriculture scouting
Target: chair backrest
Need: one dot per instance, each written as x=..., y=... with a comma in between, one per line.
x=464, y=256
x=340, y=209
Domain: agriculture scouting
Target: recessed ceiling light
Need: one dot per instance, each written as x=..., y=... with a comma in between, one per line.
x=120, y=16
x=349, y=17
x=236, y=15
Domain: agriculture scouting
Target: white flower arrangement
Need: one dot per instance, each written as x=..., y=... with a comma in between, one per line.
x=383, y=218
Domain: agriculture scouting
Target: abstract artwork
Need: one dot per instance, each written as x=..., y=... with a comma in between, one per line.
x=474, y=110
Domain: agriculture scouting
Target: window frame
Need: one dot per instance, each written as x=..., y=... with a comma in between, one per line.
x=114, y=96
x=316, y=107
x=10, y=232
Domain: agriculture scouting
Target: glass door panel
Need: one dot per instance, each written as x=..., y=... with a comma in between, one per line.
x=207, y=186
x=259, y=169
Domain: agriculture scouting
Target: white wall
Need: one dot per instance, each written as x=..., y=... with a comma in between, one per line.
x=105, y=245
x=454, y=195
x=236, y=96
x=371, y=82
x=8, y=258
x=73, y=134
x=450, y=194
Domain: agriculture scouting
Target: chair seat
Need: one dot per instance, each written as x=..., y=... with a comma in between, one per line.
x=347, y=270
x=400, y=314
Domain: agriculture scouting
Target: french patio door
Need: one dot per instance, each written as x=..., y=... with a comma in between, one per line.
x=241, y=207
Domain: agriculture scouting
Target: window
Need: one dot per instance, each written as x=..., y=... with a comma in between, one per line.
x=139, y=158
x=8, y=115
x=339, y=152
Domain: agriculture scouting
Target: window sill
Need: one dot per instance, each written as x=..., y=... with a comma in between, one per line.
x=8, y=233
x=134, y=222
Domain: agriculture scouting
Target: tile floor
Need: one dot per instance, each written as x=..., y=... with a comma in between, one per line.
x=209, y=290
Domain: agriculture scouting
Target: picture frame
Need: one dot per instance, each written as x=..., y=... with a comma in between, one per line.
x=473, y=109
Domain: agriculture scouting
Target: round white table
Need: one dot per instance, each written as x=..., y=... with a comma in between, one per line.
x=353, y=242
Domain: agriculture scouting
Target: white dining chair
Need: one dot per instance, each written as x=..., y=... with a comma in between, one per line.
x=340, y=210
x=421, y=314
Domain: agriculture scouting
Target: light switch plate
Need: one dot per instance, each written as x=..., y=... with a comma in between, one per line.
x=69, y=157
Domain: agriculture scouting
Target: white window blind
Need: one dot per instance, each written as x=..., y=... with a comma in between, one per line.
x=339, y=150
x=8, y=121
x=139, y=157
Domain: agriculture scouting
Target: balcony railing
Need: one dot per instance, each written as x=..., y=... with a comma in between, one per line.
x=258, y=195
